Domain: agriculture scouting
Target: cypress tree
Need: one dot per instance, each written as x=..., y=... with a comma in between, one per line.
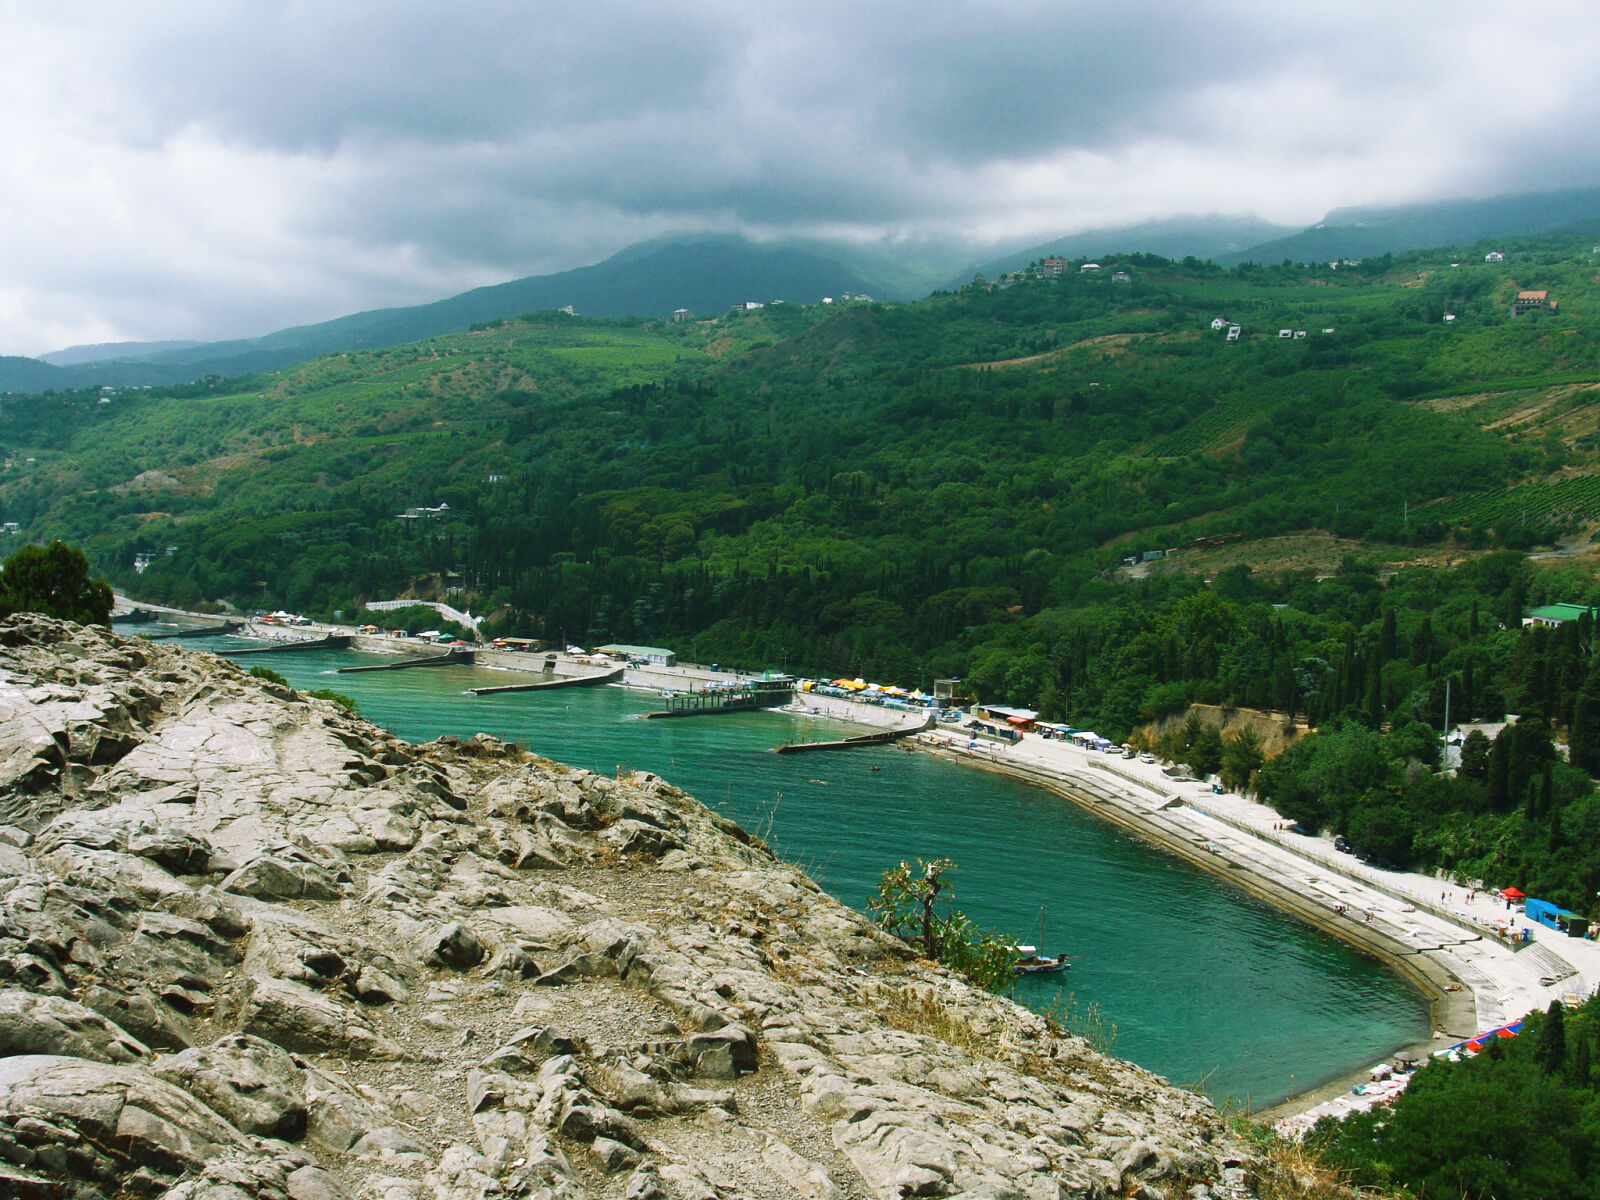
x=1422, y=643
x=1375, y=692
x=1550, y=1052
x=1583, y=735
x=1581, y=1068
x=1498, y=786
x=1386, y=637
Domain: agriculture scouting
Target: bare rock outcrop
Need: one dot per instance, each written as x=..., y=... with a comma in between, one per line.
x=252, y=947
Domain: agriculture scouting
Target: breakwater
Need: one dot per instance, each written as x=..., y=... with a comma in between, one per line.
x=448, y=659
x=545, y=685
x=884, y=737
x=331, y=641
x=194, y=631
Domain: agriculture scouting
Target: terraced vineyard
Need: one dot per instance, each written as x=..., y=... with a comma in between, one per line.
x=1226, y=422
x=1569, y=503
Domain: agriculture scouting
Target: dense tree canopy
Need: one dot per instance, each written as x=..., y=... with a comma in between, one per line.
x=1521, y=1121
x=54, y=580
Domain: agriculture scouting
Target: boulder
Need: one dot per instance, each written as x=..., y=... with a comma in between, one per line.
x=269, y=877
x=253, y=1083
x=101, y=1122
x=31, y=1024
x=453, y=945
x=300, y=1019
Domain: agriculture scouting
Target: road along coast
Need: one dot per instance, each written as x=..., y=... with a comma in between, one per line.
x=1441, y=938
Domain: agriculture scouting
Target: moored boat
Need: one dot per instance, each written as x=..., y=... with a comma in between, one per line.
x=1032, y=961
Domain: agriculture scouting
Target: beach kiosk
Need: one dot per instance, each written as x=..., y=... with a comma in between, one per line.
x=1553, y=917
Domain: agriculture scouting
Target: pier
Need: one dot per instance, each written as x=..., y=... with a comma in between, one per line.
x=771, y=692
x=446, y=659
x=331, y=641
x=198, y=631
x=546, y=684
x=883, y=737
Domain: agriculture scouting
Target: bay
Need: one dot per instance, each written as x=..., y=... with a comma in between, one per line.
x=1199, y=981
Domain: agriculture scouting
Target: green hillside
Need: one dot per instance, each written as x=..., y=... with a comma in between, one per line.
x=985, y=484
x=955, y=487
x=703, y=275
x=863, y=488
x=1368, y=231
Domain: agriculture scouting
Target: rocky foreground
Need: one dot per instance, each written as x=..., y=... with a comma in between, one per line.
x=255, y=947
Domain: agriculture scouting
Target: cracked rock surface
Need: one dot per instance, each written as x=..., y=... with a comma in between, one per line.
x=254, y=947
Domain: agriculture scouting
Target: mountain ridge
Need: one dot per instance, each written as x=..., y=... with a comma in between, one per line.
x=706, y=273
x=1367, y=231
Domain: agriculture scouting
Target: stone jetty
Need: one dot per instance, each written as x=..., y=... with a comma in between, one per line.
x=254, y=948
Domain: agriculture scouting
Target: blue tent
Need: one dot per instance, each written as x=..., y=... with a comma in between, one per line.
x=1547, y=914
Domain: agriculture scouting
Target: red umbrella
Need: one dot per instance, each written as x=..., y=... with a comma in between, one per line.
x=1512, y=893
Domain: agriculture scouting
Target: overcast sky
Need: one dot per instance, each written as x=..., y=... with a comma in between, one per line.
x=181, y=170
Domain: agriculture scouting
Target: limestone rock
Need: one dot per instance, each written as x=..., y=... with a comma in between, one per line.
x=98, y=1122
x=253, y=1083
x=335, y=942
x=297, y=1018
x=270, y=877
x=31, y=1024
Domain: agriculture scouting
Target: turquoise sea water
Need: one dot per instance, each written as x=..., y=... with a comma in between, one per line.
x=1204, y=984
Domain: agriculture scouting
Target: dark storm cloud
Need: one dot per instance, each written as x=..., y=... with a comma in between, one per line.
x=181, y=170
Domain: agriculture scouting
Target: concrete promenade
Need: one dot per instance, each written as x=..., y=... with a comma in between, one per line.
x=1444, y=940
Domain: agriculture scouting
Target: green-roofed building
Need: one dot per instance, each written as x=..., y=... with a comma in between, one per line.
x=1558, y=614
x=654, y=655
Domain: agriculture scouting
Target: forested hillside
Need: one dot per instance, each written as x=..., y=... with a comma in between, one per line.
x=897, y=490
x=954, y=487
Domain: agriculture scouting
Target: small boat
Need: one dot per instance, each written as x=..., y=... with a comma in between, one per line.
x=1033, y=962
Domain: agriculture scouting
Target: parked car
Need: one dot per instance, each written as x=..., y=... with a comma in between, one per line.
x=1147, y=757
